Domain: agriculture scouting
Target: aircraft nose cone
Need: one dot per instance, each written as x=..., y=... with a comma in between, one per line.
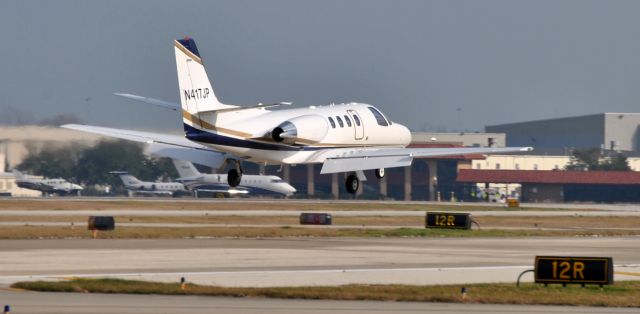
x=404, y=134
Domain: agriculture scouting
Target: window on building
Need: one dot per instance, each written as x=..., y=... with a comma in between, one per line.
x=333, y=124
x=340, y=121
x=535, y=166
x=497, y=166
x=379, y=117
x=478, y=166
x=9, y=185
x=356, y=119
x=517, y=166
x=346, y=119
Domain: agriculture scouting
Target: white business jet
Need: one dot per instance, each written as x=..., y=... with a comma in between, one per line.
x=350, y=137
x=46, y=186
x=255, y=184
x=135, y=186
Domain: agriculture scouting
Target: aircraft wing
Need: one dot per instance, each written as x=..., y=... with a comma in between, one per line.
x=166, y=145
x=347, y=160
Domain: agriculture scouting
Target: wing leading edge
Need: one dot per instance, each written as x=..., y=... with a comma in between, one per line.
x=166, y=145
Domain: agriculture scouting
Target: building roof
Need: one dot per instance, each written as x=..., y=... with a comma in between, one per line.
x=549, y=177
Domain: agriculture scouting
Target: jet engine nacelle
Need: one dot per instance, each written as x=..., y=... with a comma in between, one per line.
x=307, y=129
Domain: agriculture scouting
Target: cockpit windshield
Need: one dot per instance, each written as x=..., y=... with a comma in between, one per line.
x=379, y=117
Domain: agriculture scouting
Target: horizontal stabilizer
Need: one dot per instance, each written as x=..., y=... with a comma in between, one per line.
x=152, y=101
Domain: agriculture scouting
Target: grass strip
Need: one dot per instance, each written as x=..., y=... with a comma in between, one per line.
x=275, y=204
x=622, y=294
x=37, y=232
x=509, y=222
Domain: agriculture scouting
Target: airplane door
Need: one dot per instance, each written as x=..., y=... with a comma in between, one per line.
x=358, y=124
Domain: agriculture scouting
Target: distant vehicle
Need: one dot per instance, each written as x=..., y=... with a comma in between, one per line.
x=254, y=184
x=135, y=186
x=46, y=186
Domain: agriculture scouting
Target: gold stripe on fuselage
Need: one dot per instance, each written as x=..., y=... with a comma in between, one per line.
x=195, y=120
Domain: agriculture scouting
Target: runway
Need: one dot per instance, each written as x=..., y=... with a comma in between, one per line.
x=81, y=303
x=303, y=262
x=576, y=206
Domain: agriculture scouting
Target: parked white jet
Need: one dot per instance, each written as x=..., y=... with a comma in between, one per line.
x=46, y=186
x=349, y=138
x=195, y=180
x=133, y=185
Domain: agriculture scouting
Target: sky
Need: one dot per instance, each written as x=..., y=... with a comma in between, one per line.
x=447, y=65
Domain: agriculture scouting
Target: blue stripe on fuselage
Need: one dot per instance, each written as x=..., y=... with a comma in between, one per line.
x=203, y=136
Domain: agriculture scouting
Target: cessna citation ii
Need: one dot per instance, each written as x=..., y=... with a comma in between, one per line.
x=349, y=138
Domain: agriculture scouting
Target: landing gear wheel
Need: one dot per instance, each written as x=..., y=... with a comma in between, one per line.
x=352, y=183
x=233, y=177
x=379, y=173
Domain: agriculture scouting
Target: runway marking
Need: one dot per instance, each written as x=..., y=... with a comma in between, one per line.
x=627, y=273
x=256, y=272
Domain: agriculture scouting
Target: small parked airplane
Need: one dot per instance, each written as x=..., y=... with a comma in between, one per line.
x=350, y=137
x=254, y=184
x=135, y=186
x=46, y=186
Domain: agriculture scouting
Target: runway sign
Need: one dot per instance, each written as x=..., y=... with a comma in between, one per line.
x=574, y=270
x=448, y=220
x=315, y=219
x=103, y=223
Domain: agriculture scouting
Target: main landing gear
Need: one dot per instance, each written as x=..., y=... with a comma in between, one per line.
x=234, y=176
x=353, y=182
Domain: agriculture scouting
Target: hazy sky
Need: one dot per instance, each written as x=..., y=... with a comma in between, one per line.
x=418, y=61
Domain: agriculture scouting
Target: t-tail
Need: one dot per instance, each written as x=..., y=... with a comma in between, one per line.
x=127, y=178
x=186, y=169
x=196, y=92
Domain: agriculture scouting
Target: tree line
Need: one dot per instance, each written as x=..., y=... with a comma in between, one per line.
x=91, y=165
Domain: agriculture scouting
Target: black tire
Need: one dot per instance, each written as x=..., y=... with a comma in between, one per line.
x=234, y=177
x=352, y=184
x=379, y=173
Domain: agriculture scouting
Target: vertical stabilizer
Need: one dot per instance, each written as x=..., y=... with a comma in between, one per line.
x=186, y=169
x=196, y=93
x=126, y=178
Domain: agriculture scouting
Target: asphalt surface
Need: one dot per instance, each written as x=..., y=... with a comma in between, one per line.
x=303, y=261
x=53, y=303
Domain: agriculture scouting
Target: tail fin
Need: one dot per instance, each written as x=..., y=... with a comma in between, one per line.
x=185, y=168
x=127, y=178
x=18, y=174
x=196, y=93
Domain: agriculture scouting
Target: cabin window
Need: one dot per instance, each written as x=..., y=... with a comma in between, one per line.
x=379, y=117
x=346, y=119
x=333, y=124
x=340, y=121
x=356, y=119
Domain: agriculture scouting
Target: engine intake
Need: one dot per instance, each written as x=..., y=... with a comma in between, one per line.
x=307, y=129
